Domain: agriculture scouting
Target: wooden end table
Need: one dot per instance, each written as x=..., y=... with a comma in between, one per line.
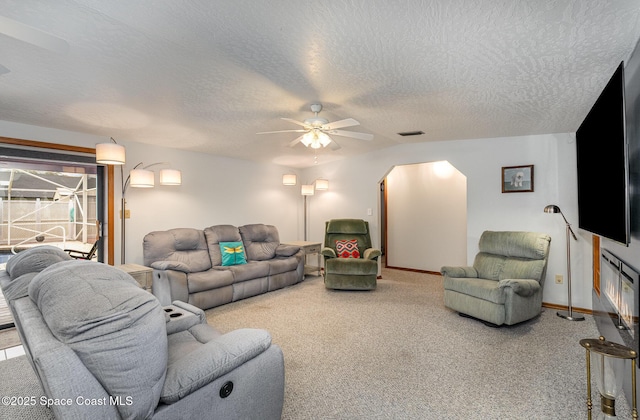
x=309, y=248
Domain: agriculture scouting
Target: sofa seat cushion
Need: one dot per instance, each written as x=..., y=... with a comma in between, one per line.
x=249, y=271
x=204, y=363
x=351, y=266
x=211, y=279
x=488, y=290
x=281, y=265
x=188, y=340
x=117, y=329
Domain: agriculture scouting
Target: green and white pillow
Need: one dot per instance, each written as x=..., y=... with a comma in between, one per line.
x=232, y=253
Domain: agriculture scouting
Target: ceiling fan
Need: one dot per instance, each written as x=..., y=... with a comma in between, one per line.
x=317, y=129
x=31, y=35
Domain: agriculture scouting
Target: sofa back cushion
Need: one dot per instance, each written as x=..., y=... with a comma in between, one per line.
x=34, y=260
x=260, y=241
x=117, y=329
x=530, y=245
x=185, y=245
x=512, y=255
x=216, y=234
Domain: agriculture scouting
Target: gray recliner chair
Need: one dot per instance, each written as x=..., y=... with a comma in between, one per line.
x=504, y=285
x=350, y=262
x=96, y=339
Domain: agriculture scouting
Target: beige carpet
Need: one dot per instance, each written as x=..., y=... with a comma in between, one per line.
x=397, y=352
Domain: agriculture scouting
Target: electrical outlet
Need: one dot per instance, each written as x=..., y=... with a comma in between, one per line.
x=558, y=278
x=127, y=214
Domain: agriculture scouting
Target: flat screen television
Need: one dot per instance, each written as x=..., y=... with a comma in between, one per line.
x=603, y=165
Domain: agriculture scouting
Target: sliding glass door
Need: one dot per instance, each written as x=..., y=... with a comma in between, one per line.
x=48, y=198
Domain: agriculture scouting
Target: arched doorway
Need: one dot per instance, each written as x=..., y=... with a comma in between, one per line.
x=424, y=216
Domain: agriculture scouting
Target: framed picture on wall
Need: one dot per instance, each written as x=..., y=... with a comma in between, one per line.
x=517, y=179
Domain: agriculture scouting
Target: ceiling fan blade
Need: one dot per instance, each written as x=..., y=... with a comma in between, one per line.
x=353, y=134
x=307, y=126
x=348, y=122
x=33, y=36
x=282, y=131
x=296, y=141
x=334, y=145
x=4, y=70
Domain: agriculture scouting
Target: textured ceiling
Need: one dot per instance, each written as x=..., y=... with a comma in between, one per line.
x=207, y=75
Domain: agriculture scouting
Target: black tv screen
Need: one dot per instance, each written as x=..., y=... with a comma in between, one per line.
x=603, y=168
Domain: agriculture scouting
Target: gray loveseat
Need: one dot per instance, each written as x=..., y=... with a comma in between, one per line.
x=188, y=263
x=102, y=348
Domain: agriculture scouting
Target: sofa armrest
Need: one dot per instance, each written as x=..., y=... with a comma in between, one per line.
x=521, y=287
x=171, y=265
x=212, y=360
x=328, y=252
x=371, y=254
x=459, y=272
x=169, y=285
x=286, y=250
x=190, y=316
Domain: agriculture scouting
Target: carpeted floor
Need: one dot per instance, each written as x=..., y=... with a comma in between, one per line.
x=396, y=352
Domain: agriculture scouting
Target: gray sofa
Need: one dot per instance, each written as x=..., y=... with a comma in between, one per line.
x=103, y=348
x=188, y=264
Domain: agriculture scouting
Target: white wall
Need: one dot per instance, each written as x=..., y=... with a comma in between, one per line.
x=426, y=216
x=354, y=189
x=214, y=190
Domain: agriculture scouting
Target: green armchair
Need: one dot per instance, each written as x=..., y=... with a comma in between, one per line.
x=504, y=285
x=350, y=262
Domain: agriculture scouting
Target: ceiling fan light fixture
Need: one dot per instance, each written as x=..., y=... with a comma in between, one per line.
x=307, y=139
x=316, y=139
x=324, y=139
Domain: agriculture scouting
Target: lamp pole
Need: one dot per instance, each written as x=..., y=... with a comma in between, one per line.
x=125, y=185
x=566, y=314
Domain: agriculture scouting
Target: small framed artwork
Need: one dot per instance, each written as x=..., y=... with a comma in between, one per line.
x=517, y=179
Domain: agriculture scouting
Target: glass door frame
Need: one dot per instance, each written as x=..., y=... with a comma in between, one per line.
x=107, y=192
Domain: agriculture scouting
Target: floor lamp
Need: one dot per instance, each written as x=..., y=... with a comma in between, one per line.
x=142, y=178
x=566, y=314
x=306, y=190
x=114, y=154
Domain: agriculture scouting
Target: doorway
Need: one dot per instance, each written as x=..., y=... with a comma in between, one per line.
x=47, y=196
x=424, y=216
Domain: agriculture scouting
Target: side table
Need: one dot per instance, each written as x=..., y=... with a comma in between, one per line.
x=143, y=275
x=309, y=248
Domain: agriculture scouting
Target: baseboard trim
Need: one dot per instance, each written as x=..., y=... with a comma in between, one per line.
x=544, y=304
x=566, y=308
x=415, y=270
